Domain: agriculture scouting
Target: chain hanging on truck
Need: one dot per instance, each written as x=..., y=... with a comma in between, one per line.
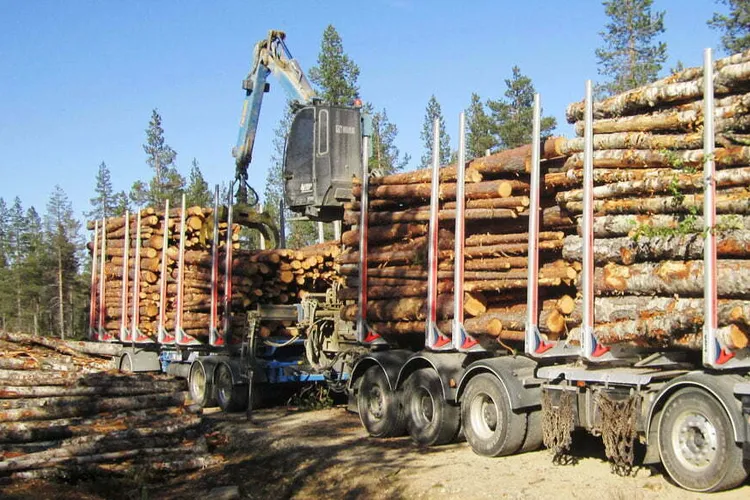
x=558, y=423
x=618, y=430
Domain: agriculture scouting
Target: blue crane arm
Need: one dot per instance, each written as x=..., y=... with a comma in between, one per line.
x=271, y=56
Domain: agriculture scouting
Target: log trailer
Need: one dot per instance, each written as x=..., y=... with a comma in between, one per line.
x=692, y=416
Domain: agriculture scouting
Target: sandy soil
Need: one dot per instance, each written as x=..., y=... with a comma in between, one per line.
x=327, y=454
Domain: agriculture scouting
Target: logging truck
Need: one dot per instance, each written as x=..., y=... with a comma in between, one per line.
x=456, y=313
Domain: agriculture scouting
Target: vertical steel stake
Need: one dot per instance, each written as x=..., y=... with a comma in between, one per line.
x=434, y=339
x=93, y=334
x=124, y=333
x=214, y=337
x=163, y=335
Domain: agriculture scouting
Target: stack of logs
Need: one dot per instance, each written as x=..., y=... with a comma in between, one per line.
x=648, y=207
x=496, y=248
x=270, y=276
x=60, y=415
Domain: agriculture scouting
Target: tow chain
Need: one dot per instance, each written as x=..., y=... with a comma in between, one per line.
x=618, y=430
x=557, y=425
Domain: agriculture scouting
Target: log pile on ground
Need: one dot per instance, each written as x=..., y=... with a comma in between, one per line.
x=61, y=415
x=271, y=276
x=648, y=206
x=496, y=243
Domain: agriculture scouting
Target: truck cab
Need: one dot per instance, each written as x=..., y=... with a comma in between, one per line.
x=323, y=154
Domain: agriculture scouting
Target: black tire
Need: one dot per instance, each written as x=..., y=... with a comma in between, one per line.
x=378, y=406
x=202, y=392
x=430, y=419
x=126, y=363
x=491, y=427
x=534, y=437
x=230, y=397
x=696, y=442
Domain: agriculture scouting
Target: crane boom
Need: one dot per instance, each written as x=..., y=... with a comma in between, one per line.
x=270, y=56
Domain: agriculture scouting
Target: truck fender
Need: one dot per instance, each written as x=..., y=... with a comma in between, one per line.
x=449, y=367
x=719, y=386
x=390, y=361
x=516, y=374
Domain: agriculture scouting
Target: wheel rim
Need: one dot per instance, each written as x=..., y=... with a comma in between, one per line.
x=422, y=406
x=198, y=383
x=484, y=416
x=695, y=440
x=376, y=402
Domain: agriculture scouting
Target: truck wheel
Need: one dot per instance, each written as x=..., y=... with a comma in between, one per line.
x=201, y=391
x=534, y=438
x=430, y=419
x=379, y=407
x=126, y=363
x=491, y=427
x=696, y=442
x=230, y=397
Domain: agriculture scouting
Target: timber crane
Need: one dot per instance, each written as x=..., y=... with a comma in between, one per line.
x=324, y=145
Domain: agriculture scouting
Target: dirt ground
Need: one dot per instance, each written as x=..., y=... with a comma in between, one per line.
x=327, y=454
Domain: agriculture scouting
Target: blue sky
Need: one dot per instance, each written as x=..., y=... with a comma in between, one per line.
x=78, y=79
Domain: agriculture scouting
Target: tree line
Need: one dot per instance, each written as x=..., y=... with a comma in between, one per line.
x=44, y=268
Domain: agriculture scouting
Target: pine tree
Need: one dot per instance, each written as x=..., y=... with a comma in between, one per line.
x=734, y=26
x=31, y=271
x=62, y=235
x=386, y=156
x=197, y=192
x=120, y=204
x=102, y=204
x=433, y=112
x=4, y=216
x=16, y=224
x=336, y=75
x=167, y=183
x=513, y=116
x=479, y=136
x=631, y=56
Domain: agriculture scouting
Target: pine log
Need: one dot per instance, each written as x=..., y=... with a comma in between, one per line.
x=728, y=201
x=622, y=225
x=645, y=158
x=54, y=430
x=684, y=278
x=735, y=244
x=662, y=92
x=85, y=406
x=554, y=181
x=414, y=192
x=658, y=332
x=661, y=184
x=447, y=174
x=49, y=393
x=642, y=309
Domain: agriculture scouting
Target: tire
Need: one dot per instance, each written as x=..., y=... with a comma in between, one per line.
x=379, y=407
x=430, y=419
x=201, y=391
x=534, y=436
x=126, y=363
x=696, y=442
x=230, y=397
x=491, y=427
